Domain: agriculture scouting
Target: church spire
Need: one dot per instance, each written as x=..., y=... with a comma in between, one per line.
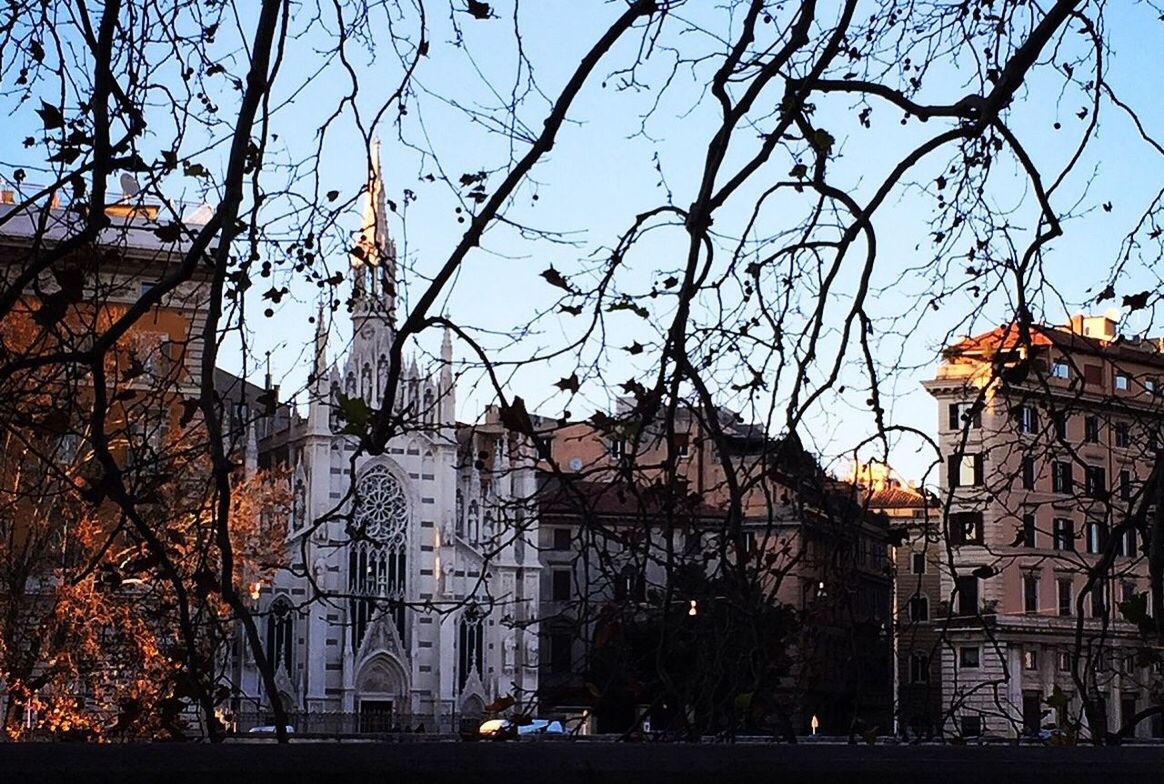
x=447, y=391
x=373, y=259
x=319, y=391
x=319, y=361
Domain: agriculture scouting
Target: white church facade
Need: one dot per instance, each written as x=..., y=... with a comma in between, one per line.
x=411, y=588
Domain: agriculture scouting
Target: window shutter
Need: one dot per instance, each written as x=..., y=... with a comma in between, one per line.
x=978, y=469
x=952, y=470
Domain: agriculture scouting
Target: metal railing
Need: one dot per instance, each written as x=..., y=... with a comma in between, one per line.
x=347, y=723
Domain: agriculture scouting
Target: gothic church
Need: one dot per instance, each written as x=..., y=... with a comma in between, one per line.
x=412, y=584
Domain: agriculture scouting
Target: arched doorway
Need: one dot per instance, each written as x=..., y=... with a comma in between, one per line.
x=381, y=694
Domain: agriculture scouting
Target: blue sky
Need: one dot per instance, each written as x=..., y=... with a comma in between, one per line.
x=602, y=172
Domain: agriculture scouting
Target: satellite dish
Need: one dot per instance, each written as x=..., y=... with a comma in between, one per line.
x=575, y=464
x=129, y=187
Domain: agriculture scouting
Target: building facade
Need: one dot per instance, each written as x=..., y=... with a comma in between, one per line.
x=411, y=587
x=1048, y=442
x=916, y=553
x=616, y=543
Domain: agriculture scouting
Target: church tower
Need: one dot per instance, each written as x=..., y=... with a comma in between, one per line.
x=373, y=274
x=405, y=578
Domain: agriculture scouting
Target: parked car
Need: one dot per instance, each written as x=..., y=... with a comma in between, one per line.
x=503, y=729
x=271, y=729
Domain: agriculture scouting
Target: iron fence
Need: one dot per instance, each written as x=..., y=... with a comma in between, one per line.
x=344, y=723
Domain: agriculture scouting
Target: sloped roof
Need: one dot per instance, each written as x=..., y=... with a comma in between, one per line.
x=1008, y=337
x=616, y=499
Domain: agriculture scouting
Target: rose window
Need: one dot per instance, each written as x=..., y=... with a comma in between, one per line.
x=382, y=509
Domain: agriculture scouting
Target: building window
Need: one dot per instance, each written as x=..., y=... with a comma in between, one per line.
x=1029, y=531
x=1125, y=485
x=561, y=656
x=965, y=528
x=1060, y=369
x=967, y=599
x=1096, y=537
x=1123, y=435
x=961, y=414
x=472, y=645
x=562, y=539
x=968, y=658
x=1065, y=596
x=1028, y=473
x=971, y=726
x=1121, y=381
x=919, y=609
x=919, y=668
x=1026, y=419
x=1062, y=480
x=1030, y=593
x=1060, y=420
x=1098, y=596
x=1127, y=590
x=1095, y=482
x=560, y=591
x=617, y=449
x=281, y=634
x=965, y=470
x=1126, y=543
x=1064, y=534
x=1030, y=659
x=917, y=563
x=629, y=584
x=1093, y=374
x=1091, y=429
x=378, y=564
x=682, y=442
x=1150, y=385
x=1064, y=662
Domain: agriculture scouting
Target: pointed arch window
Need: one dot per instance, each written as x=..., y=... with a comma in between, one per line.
x=472, y=644
x=377, y=562
x=429, y=402
x=281, y=634
x=350, y=385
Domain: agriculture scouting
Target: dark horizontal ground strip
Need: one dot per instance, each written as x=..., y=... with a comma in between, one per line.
x=568, y=762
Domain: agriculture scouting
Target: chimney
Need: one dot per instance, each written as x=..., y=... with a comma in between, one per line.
x=1103, y=327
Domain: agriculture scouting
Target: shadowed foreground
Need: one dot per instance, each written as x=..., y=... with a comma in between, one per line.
x=566, y=763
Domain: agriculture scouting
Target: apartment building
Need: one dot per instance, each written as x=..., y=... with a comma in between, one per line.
x=617, y=538
x=70, y=295
x=1047, y=442
x=914, y=519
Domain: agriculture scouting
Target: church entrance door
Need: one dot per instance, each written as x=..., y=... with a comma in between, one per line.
x=375, y=715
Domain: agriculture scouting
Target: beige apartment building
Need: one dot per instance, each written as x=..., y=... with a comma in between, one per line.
x=814, y=549
x=1047, y=443
x=916, y=554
